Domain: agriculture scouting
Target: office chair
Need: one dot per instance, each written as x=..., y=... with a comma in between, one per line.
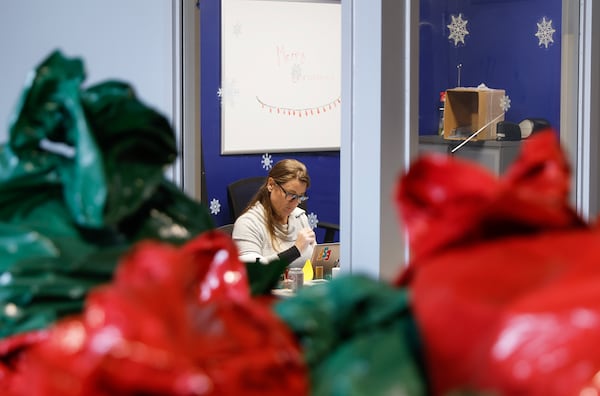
x=241, y=191
x=226, y=228
x=330, y=230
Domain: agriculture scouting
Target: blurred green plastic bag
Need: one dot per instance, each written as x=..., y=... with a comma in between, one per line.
x=358, y=337
x=81, y=179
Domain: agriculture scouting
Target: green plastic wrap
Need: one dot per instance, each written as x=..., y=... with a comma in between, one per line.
x=81, y=180
x=263, y=278
x=358, y=337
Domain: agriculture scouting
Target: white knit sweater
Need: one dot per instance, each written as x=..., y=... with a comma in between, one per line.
x=252, y=238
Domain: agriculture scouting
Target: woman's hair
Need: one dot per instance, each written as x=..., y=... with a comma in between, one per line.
x=282, y=172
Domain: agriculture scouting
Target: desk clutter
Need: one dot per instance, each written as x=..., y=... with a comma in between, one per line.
x=145, y=297
x=323, y=267
x=478, y=113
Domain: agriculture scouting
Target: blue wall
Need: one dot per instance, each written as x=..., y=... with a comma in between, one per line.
x=220, y=170
x=501, y=50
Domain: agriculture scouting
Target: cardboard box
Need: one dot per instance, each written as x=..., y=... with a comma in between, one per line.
x=466, y=110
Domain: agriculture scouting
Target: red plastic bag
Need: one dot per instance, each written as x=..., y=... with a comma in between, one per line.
x=505, y=276
x=448, y=202
x=509, y=316
x=175, y=321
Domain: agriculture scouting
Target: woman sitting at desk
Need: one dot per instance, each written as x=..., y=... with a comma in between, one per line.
x=273, y=226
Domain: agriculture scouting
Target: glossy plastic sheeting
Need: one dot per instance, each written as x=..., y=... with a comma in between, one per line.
x=175, y=321
x=358, y=337
x=505, y=275
x=81, y=179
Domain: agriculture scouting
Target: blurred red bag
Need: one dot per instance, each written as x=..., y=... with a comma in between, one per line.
x=504, y=276
x=175, y=321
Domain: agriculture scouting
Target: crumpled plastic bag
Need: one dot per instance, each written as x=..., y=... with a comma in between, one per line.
x=81, y=180
x=264, y=278
x=175, y=321
x=448, y=202
x=358, y=337
x=504, y=281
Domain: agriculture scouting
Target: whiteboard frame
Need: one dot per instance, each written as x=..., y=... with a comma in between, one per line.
x=250, y=125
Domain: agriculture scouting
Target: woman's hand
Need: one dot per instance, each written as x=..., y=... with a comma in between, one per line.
x=305, y=238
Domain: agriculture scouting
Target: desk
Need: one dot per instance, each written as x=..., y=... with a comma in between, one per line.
x=493, y=154
x=285, y=293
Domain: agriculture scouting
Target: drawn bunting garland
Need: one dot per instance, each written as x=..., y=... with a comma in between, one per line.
x=300, y=112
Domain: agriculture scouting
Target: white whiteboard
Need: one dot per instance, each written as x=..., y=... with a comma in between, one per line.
x=280, y=76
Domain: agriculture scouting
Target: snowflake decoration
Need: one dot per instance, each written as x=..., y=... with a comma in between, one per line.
x=458, y=29
x=228, y=92
x=266, y=161
x=545, y=32
x=312, y=220
x=505, y=103
x=215, y=206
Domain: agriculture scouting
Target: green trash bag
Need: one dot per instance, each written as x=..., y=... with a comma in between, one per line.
x=358, y=338
x=81, y=180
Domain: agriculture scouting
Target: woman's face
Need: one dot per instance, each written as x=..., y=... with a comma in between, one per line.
x=284, y=197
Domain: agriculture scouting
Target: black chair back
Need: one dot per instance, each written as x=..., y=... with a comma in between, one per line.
x=226, y=228
x=240, y=192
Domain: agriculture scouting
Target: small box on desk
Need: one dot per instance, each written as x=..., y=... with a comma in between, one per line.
x=466, y=110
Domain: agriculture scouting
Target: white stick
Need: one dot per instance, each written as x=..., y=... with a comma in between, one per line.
x=476, y=133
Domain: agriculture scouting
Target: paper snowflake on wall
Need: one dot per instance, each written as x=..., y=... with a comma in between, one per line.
x=228, y=92
x=458, y=29
x=312, y=220
x=215, y=206
x=545, y=32
x=505, y=103
x=266, y=161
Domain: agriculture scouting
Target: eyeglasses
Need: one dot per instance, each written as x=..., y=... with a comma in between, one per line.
x=292, y=197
